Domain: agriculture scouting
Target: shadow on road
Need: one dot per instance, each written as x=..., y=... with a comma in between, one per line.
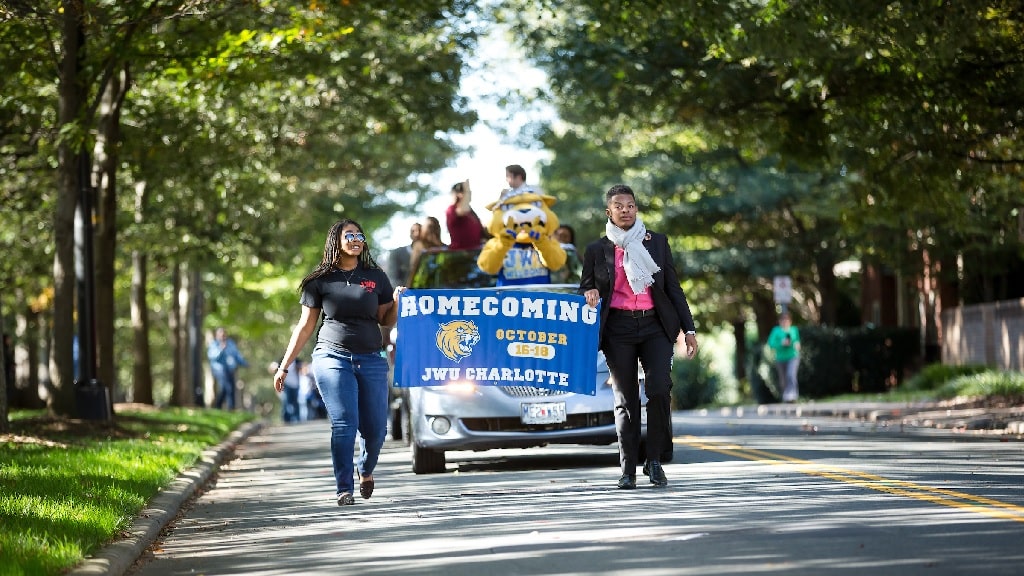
x=506, y=461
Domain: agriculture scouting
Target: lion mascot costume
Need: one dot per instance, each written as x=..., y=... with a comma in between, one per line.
x=521, y=249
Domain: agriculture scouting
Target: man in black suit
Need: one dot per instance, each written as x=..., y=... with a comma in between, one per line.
x=644, y=309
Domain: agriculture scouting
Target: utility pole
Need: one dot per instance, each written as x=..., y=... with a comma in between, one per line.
x=195, y=339
x=91, y=396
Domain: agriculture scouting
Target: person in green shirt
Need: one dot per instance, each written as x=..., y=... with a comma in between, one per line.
x=784, y=342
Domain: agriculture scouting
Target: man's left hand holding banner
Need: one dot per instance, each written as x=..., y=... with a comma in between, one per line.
x=497, y=337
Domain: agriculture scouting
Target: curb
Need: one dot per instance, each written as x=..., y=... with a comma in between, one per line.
x=117, y=557
x=987, y=421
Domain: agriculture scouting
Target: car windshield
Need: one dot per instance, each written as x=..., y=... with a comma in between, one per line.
x=443, y=268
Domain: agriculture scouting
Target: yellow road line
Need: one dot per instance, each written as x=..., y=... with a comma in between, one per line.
x=952, y=498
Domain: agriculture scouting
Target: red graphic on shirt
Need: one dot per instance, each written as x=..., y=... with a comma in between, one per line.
x=369, y=285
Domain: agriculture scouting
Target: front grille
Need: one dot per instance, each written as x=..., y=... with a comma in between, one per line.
x=572, y=421
x=529, y=391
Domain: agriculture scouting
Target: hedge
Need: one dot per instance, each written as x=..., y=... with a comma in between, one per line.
x=839, y=361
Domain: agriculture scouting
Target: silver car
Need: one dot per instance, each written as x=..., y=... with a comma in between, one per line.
x=465, y=416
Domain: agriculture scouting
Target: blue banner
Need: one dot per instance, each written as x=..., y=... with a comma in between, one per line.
x=497, y=338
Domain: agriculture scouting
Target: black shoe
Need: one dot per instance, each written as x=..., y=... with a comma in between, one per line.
x=627, y=482
x=647, y=468
x=657, y=474
x=366, y=488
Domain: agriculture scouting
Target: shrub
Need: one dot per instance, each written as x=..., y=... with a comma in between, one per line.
x=693, y=382
x=879, y=355
x=933, y=376
x=990, y=383
x=838, y=361
x=825, y=367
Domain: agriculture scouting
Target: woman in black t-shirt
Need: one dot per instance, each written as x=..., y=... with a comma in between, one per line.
x=354, y=297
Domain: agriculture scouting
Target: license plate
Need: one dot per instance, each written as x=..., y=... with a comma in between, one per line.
x=543, y=413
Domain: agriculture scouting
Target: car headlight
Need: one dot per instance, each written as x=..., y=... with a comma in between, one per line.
x=462, y=387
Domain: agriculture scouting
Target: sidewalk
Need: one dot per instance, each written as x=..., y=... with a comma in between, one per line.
x=116, y=558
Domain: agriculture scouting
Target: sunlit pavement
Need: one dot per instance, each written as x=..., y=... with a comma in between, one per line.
x=271, y=510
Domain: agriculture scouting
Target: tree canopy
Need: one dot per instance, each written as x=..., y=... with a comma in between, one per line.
x=766, y=137
x=241, y=130
x=773, y=135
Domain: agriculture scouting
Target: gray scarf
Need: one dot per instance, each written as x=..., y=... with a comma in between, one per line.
x=637, y=262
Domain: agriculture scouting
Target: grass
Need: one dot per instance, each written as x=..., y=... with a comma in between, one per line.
x=67, y=487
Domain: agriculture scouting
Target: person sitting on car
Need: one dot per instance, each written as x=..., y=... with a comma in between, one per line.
x=464, y=227
x=430, y=237
x=522, y=249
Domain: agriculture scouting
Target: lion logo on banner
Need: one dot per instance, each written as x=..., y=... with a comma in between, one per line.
x=456, y=339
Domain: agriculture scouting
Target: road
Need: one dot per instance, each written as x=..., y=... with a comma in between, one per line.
x=747, y=495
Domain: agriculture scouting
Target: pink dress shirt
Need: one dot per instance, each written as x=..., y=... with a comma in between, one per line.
x=622, y=295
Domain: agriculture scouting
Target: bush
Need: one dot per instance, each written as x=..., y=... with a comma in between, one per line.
x=933, y=376
x=825, y=367
x=693, y=383
x=837, y=361
x=879, y=356
x=989, y=383
x=761, y=375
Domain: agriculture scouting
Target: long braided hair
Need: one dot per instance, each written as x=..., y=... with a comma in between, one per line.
x=333, y=253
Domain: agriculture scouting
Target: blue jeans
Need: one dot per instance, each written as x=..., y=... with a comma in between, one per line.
x=290, y=405
x=354, y=388
x=787, y=370
x=226, y=391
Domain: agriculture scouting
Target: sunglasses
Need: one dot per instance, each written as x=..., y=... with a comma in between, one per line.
x=349, y=237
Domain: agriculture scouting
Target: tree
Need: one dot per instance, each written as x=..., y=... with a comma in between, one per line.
x=821, y=89
x=273, y=112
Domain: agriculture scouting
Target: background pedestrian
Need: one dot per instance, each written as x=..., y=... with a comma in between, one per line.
x=225, y=360
x=784, y=341
x=291, y=406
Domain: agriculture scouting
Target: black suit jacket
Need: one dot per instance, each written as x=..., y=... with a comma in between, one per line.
x=669, y=300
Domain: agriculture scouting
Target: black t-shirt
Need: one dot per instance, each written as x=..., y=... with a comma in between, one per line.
x=349, y=301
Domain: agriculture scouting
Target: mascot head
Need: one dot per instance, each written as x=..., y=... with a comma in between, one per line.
x=456, y=339
x=523, y=213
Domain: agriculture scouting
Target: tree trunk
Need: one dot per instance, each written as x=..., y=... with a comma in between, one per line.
x=28, y=337
x=61, y=401
x=106, y=158
x=44, y=336
x=174, y=326
x=142, y=372
x=32, y=352
x=195, y=339
x=184, y=356
x=739, y=332
x=825, y=264
x=182, y=394
x=764, y=314
x=5, y=423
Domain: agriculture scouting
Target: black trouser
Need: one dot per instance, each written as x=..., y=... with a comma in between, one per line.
x=625, y=341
